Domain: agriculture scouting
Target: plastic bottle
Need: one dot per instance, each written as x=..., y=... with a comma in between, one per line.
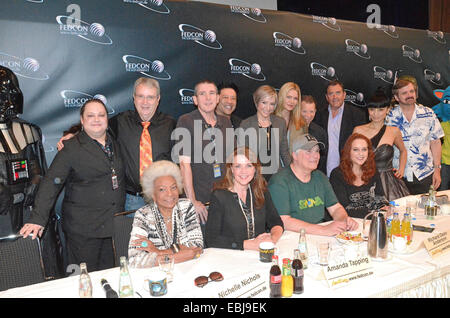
x=395, y=226
x=297, y=273
x=85, y=289
x=125, y=286
x=406, y=228
x=303, y=248
x=287, y=281
x=275, y=278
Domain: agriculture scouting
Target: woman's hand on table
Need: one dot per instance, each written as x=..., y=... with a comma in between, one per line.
x=254, y=244
x=144, y=244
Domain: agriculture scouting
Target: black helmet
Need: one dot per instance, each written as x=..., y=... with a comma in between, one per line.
x=11, y=97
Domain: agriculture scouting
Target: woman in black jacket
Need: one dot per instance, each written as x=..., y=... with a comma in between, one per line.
x=241, y=214
x=91, y=170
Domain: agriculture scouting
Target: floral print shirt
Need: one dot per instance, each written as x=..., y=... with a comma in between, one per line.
x=423, y=128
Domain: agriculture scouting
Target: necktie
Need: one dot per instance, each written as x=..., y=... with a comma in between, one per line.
x=145, y=148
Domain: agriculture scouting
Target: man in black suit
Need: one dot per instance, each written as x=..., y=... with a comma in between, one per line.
x=338, y=120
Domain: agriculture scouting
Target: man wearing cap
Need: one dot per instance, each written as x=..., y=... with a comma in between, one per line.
x=301, y=193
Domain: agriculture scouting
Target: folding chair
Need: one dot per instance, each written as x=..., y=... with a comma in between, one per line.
x=21, y=262
x=122, y=230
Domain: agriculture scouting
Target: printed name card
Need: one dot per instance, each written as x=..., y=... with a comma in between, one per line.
x=341, y=274
x=250, y=285
x=438, y=244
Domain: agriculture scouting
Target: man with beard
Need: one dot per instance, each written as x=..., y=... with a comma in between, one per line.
x=421, y=133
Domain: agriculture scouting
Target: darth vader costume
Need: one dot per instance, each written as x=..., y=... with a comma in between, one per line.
x=22, y=165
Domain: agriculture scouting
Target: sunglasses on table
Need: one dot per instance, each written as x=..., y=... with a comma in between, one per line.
x=201, y=281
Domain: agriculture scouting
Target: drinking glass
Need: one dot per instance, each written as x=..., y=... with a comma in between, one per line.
x=323, y=250
x=166, y=264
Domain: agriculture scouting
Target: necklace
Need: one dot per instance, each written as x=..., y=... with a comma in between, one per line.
x=251, y=224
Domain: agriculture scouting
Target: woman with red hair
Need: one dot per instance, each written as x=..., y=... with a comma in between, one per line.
x=241, y=214
x=356, y=181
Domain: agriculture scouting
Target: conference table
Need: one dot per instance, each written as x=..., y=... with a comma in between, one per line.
x=413, y=273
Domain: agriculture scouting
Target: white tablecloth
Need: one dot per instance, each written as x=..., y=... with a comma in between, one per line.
x=409, y=275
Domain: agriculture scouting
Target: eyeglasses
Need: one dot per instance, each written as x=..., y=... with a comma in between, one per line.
x=201, y=281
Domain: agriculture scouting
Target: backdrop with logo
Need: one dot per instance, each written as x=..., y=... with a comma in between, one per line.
x=65, y=53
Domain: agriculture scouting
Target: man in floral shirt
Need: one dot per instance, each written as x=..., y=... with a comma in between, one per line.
x=421, y=133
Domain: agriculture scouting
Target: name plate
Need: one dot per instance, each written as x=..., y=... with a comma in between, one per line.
x=250, y=285
x=438, y=244
x=341, y=274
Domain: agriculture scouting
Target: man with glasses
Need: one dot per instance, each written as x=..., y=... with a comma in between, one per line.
x=143, y=135
x=301, y=193
x=202, y=162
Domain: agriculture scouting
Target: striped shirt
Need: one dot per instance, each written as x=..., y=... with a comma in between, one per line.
x=148, y=222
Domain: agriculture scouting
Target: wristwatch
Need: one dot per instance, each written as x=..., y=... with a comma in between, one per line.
x=437, y=166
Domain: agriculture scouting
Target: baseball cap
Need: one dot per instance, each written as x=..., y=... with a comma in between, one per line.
x=305, y=142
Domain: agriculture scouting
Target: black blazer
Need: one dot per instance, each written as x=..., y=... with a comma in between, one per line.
x=89, y=200
x=226, y=226
x=353, y=116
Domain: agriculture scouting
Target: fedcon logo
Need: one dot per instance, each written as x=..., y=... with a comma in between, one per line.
x=327, y=73
x=157, y=6
x=206, y=38
x=411, y=53
x=254, y=14
x=388, y=29
x=355, y=98
x=154, y=69
x=186, y=96
x=432, y=77
x=76, y=99
x=289, y=43
x=252, y=71
x=383, y=74
x=438, y=36
x=330, y=23
x=28, y=67
x=357, y=48
x=93, y=32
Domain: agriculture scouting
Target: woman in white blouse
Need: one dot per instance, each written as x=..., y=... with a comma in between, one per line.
x=167, y=224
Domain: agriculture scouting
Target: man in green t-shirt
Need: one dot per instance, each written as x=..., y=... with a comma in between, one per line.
x=301, y=193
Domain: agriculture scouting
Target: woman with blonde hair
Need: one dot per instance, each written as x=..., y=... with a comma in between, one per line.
x=241, y=214
x=271, y=145
x=289, y=108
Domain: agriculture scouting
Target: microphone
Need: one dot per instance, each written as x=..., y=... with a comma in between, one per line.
x=110, y=293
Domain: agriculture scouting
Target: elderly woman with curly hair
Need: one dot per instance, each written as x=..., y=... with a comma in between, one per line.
x=167, y=224
x=356, y=181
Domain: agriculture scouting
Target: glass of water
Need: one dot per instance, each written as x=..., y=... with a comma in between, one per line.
x=166, y=264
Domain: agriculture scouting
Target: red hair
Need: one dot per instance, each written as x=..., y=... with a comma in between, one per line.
x=368, y=168
x=258, y=184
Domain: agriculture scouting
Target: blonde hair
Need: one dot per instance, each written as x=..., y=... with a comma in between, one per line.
x=263, y=92
x=295, y=119
x=161, y=168
x=282, y=93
